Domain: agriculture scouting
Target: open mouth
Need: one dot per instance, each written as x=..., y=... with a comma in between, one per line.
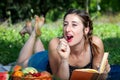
x=69, y=38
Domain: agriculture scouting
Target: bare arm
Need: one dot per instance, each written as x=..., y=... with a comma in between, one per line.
x=59, y=65
x=98, y=56
x=100, y=51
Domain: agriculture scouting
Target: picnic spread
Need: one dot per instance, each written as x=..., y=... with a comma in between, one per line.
x=18, y=73
x=7, y=74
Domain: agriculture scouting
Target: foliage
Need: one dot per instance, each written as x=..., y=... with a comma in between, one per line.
x=18, y=10
x=110, y=6
x=10, y=45
x=11, y=42
x=111, y=38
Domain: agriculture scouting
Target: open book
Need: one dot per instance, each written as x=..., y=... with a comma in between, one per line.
x=90, y=74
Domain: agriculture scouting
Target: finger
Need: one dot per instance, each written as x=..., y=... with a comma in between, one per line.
x=107, y=69
x=63, y=44
x=62, y=47
x=63, y=40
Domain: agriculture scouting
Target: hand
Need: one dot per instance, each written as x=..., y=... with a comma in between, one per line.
x=107, y=67
x=106, y=71
x=63, y=49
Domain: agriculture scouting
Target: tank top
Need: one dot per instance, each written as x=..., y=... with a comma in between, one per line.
x=89, y=65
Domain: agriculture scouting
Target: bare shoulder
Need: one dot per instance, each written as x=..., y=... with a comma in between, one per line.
x=54, y=42
x=96, y=40
x=54, y=57
x=53, y=46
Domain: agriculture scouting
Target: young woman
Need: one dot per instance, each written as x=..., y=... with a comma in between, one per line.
x=78, y=48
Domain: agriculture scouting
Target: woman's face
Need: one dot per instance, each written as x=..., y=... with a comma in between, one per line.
x=73, y=29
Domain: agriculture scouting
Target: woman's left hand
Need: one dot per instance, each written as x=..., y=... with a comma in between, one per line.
x=107, y=67
x=106, y=71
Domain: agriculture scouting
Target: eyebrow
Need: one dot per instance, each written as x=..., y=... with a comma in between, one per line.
x=72, y=21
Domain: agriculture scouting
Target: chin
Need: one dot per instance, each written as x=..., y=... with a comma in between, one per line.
x=70, y=44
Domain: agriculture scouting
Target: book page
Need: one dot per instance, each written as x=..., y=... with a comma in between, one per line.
x=103, y=63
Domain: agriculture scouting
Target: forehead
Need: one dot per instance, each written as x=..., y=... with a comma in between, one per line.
x=72, y=17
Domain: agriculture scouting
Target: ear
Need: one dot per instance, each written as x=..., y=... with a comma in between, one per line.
x=86, y=30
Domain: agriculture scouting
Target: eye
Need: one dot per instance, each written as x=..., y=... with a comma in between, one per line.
x=74, y=25
x=65, y=24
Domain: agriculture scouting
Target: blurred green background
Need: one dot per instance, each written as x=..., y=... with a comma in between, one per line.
x=13, y=14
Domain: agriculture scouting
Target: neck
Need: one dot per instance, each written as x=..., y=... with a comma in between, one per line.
x=78, y=48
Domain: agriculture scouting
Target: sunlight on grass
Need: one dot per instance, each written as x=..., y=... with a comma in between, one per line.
x=11, y=42
x=107, y=30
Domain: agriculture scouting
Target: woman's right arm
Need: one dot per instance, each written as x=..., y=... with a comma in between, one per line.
x=59, y=67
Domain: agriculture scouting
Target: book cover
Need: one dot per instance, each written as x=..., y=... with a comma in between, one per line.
x=90, y=74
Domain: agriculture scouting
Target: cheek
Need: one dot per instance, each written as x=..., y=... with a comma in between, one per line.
x=79, y=32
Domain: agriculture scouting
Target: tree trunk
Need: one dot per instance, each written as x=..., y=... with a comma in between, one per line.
x=87, y=4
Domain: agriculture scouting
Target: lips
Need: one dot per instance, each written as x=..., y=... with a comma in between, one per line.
x=69, y=38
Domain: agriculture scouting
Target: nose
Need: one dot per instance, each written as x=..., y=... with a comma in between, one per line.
x=68, y=28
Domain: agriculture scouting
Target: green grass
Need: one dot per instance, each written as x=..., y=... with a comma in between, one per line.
x=110, y=34
x=11, y=42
